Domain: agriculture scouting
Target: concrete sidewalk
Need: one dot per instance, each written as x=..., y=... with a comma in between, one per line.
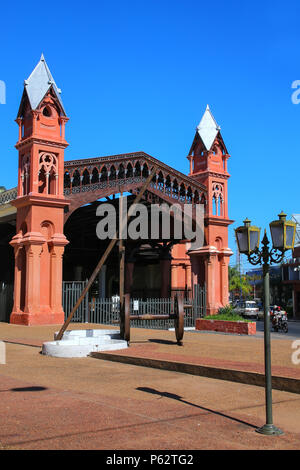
x=54, y=403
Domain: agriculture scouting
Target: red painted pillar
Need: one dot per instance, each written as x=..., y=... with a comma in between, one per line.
x=211, y=287
x=56, y=259
x=40, y=241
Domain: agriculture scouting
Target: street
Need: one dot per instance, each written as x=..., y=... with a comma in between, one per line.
x=293, y=333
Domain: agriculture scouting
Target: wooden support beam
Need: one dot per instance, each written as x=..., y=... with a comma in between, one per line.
x=122, y=266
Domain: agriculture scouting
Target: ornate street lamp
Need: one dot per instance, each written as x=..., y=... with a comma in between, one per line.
x=283, y=238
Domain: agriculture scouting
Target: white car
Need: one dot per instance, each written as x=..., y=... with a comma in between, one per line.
x=248, y=309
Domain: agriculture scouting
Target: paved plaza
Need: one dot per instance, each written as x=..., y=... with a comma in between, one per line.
x=92, y=403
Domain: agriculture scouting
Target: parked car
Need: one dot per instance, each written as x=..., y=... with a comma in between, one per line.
x=248, y=309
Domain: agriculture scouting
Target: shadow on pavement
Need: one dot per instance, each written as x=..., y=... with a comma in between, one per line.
x=162, y=341
x=25, y=389
x=179, y=398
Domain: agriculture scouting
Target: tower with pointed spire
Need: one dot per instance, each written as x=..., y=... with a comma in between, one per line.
x=39, y=241
x=208, y=158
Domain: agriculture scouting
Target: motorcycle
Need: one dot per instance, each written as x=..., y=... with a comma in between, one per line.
x=280, y=321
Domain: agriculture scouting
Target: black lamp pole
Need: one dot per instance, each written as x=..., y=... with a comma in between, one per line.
x=265, y=256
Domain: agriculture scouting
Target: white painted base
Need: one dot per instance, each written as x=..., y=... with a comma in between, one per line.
x=80, y=343
x=186, y=328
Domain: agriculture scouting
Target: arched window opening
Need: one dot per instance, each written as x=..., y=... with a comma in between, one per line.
x=52, y=179
x=42, y=181
x=129, y=171
x=76, y=179
x=217, y=191
x=113, y=173
x=182, y=193
x=215, y=208
x=175, y=189
x=47, y=111
x=95, y=176
x=189, y=195
x=67, y=180
x=85, y=178
x=137, y=169
x=168, y=185
x=121, y=173
x=160, y=181
x=47, y=173
x=145, y=171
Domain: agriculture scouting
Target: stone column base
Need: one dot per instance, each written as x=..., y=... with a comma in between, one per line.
x=29, y=319
x=212, y=310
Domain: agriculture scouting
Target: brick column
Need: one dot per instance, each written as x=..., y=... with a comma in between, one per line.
x=33, y=277
x=56, y=255
x=210, y=267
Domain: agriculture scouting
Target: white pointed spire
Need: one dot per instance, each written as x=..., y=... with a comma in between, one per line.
x=38, y=84
x=208, y=128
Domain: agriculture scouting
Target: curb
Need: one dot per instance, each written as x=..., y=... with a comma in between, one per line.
x=285, y=384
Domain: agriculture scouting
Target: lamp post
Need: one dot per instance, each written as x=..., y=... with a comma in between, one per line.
x=283, y=238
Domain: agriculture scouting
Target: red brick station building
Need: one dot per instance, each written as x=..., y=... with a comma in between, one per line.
x=48, y=222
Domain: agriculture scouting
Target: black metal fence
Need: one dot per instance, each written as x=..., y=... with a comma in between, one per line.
x=107, y=311
x=71, y=293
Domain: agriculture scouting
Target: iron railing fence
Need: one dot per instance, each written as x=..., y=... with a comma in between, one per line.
x=71, y=293
x=107, y=311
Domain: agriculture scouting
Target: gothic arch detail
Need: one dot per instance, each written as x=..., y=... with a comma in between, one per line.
x=48, y=173
x=218, y=199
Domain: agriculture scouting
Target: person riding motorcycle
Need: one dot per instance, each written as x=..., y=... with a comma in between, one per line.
x=279, y=319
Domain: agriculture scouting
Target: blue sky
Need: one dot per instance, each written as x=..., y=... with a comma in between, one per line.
x=137, y=75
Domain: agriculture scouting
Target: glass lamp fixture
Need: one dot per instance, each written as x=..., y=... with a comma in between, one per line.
x=283, y=233
x=247, y=237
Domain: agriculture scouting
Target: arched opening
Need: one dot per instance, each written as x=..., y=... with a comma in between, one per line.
x=95, y=176
x=215, y=207
x=47, y=112
x=182, y=192
x=85, y=178
x=52, y=182
x=168, y=187
x=104, y=174
x=121, y=173
x=175, y=189
x=42, y=181
x=129, y=173
x=137, y=169
x=160, y=181
x=189, y=195
x=67, y=180
x=145, y=171
x=76, y=179
x=113, y=173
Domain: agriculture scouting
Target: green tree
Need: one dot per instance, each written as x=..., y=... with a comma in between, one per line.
x=238, y=283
